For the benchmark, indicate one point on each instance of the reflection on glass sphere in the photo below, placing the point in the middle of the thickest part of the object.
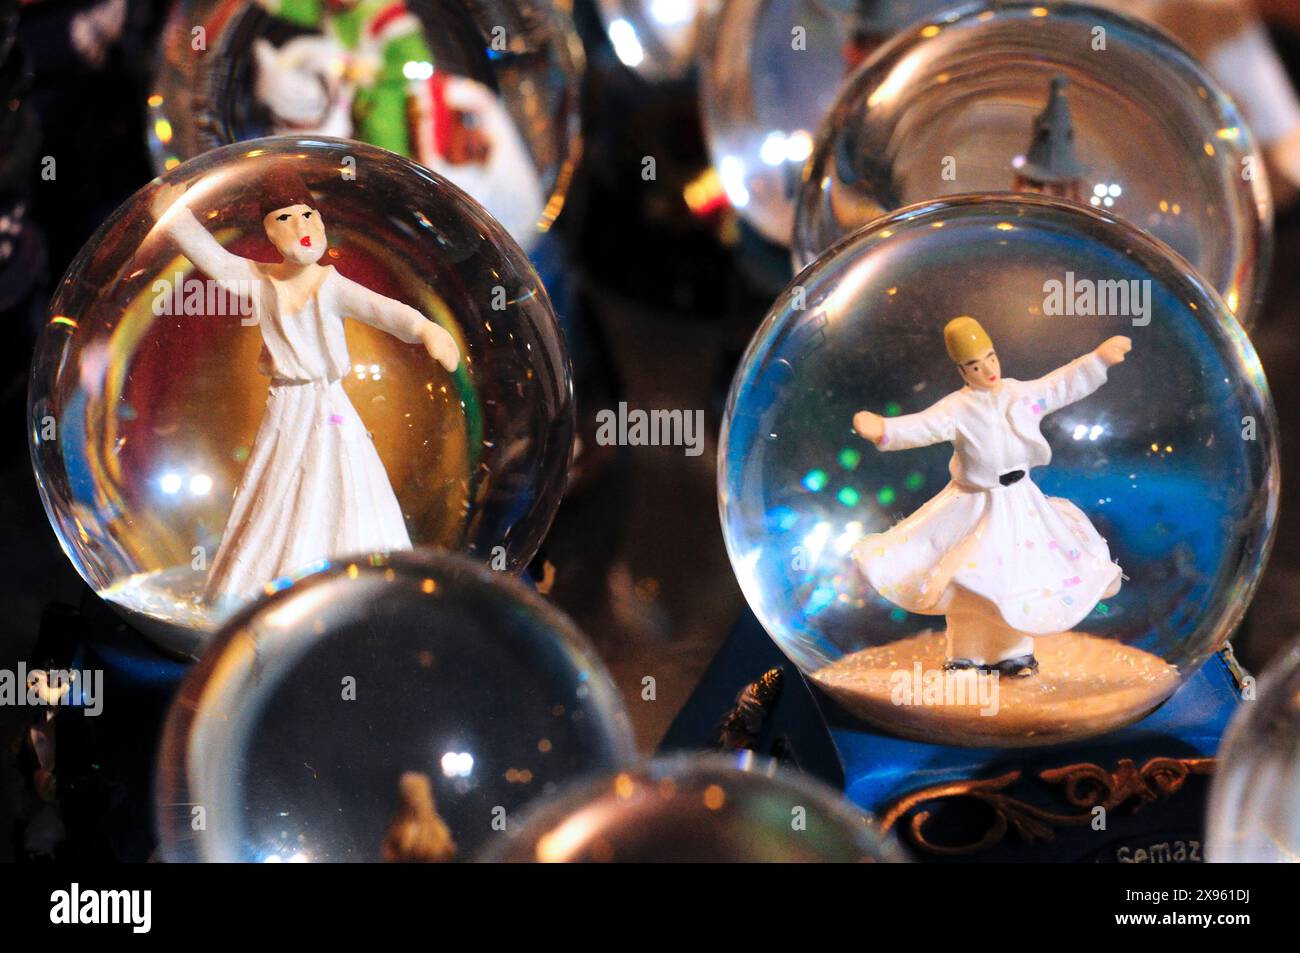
(485, 94)
(157, 391)
(1162, 468)
(1254, 814)
(1065, 100)
(769, 73)
(697, 808)
(656, 38)
(399, 708)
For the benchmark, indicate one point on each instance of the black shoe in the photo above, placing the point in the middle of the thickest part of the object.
(1022, 666)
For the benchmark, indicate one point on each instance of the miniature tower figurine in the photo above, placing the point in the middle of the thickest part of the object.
(1003, 562)
(1051, 165)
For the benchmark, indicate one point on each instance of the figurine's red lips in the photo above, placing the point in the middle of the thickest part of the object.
(305, 241)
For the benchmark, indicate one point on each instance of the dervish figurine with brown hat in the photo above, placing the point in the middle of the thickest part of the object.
(1003, 562)
(314, 486)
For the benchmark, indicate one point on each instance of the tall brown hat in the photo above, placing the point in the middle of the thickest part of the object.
(279, 188)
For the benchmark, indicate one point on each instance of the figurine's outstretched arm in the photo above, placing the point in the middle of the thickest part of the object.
(1080, 377)
(399, 320)
(197, 244)
(933, 425)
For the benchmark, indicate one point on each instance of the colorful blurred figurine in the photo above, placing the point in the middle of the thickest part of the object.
(376, 48)
(1000, 560)
(368, 72)
(314, 485)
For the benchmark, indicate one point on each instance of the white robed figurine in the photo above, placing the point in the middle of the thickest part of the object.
(999, 559)
(314, 485)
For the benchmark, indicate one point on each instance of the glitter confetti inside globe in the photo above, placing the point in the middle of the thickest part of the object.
(396, 709)
(697, 808)
(484, 93)
(199, 437)
(1040, 557)
(655, 38)
(769, 70)
(1254, 814)
(1061, 99)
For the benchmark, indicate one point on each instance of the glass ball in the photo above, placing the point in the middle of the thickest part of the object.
(1060, 99)
(769, 70)
(158, 391)
(697, 809)
(1107, 523)
(396, 708)
(655, 38)
(1254, 813)
(486, 94)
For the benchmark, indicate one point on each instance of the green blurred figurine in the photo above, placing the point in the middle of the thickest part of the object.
(366, 71)
(382, 73)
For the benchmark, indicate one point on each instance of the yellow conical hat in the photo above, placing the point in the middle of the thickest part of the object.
(965, 339)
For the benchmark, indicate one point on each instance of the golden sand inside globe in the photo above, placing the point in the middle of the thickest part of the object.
(1085, 686)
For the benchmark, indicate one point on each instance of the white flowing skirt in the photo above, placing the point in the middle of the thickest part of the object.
(1037, 559)
(314, 487)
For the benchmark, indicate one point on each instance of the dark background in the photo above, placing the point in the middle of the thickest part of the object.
(659, 302)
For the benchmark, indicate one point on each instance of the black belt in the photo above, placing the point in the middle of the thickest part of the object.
(1011, 476)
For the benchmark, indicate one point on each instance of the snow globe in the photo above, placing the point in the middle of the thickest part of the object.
(1060, 99)
(400, 709)
(697, 809)
(282, 351)
(769, 70)
(1254, 813)
(998, 471)
(485, 94)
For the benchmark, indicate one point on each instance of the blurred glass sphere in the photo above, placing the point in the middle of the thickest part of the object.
(655, 38)
(769, 70)
(399, 709)
(961, 105)
(483, 93)
(147, 388)
(1173, 460)
(1254, 813)
(697, 809)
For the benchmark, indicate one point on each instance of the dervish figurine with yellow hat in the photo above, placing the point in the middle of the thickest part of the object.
(1002, 561)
